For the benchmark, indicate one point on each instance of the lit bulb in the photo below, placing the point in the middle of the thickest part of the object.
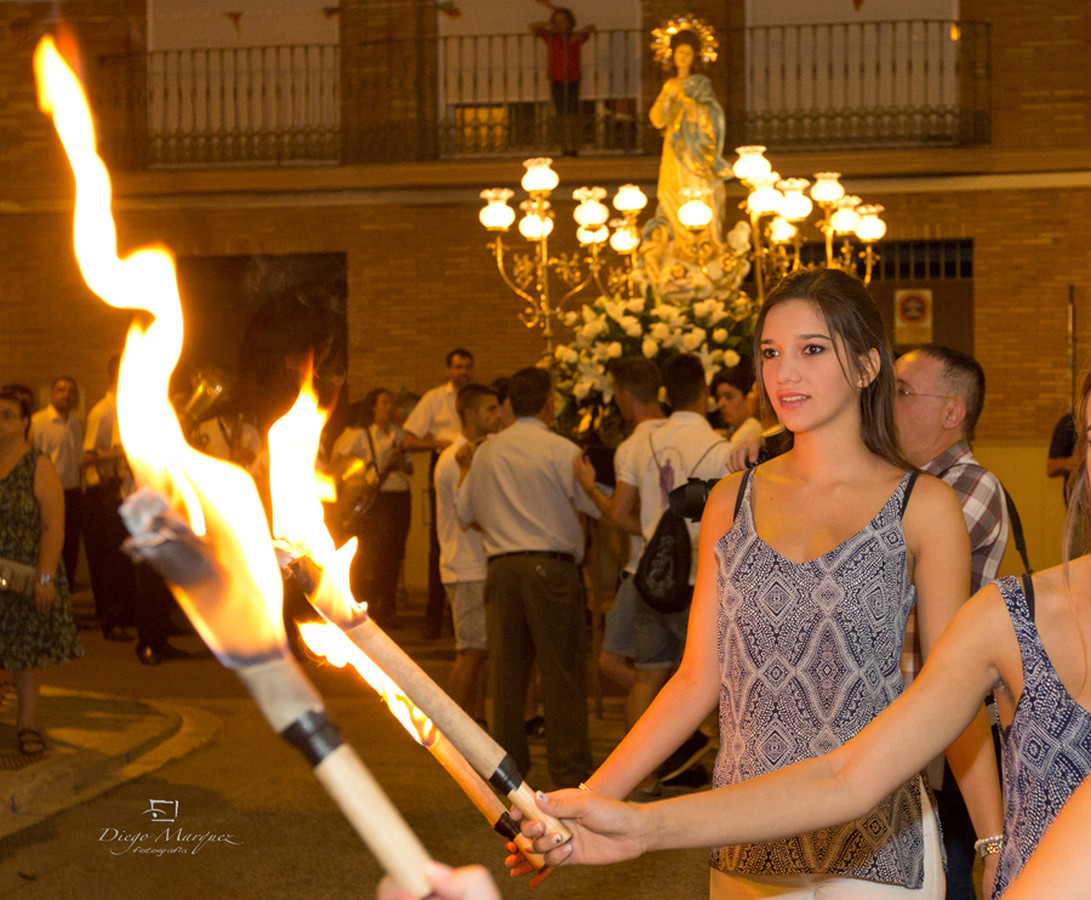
(630, 199)
(591, 212)
(846, 217)
(695, 215)
(781, 231)
(870, 228)
(796, 206)
(827, 188)
(496, 215)
(751, 163)
(539, 177)
(624, 240)
(535, 227)
(596, 234)
(764, 198)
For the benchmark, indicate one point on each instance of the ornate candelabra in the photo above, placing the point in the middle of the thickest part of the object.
(777, 244)
(532, 272)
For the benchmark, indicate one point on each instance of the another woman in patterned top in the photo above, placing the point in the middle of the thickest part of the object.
(808, 568)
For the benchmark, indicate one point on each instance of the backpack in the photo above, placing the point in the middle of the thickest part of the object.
(662, 575)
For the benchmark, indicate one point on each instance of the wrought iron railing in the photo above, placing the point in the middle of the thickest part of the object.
(277, 103)
(879, 84)
(867, 84)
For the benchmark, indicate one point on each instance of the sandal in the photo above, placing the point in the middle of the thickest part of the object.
(31, 742)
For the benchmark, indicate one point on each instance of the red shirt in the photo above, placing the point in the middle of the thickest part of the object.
(564, 53)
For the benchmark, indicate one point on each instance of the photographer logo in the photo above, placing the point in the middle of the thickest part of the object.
(162, 810)
(172, 840)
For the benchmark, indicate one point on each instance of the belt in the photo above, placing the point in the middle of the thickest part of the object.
(548, 554)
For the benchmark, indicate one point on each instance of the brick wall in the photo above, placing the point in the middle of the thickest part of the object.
(1041, 71)
(421, 280)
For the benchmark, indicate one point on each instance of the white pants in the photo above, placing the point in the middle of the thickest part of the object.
(725, 886)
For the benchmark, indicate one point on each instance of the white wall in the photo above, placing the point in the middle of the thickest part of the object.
(507, 17)
(801, 12)
(177, 24)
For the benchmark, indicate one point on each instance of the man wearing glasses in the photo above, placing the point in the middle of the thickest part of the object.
(938, 399)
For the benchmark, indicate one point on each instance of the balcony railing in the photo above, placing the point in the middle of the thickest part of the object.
(879, 84)
(912, 83)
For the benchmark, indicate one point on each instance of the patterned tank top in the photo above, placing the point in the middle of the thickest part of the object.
(809, 655)
(1047, 747)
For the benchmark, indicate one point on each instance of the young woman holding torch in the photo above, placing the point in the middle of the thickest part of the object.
(808, 567)
(1023, 639)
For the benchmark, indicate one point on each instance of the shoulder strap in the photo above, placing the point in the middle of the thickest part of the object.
(703, 455)
(1020, 541)
(1028, 592)
(382, 473)
(744, 486)
(908, 490)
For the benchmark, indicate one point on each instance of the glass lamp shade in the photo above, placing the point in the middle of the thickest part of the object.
(591, 213)
(534, 227)
(781, 231)
(827, 188)
(630, 199)
(625, 240)
(539, 177)
(496, 215)
(846, 217)
(751, 163)
(870, 228)
(592, 234)
(765, 198)
(796, 206)
(695, 215)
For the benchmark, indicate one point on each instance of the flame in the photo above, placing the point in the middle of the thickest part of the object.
(331, 642)
(219, 500)
(298, 518)
(298, 521)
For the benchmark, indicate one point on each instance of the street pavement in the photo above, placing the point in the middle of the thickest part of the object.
(165, 781)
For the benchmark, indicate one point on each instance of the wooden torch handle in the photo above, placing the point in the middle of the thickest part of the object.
(523, 799)
(375, 818)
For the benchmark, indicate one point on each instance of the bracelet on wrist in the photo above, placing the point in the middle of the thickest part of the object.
(989, 845)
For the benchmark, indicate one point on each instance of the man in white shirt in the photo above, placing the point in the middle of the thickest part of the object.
(55, 432)
(636, 392)
(113, 577)
(433, 425)
(683, 447)
(462, 555)
(521, 489)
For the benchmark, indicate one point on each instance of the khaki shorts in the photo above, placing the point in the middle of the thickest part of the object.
(467, 599)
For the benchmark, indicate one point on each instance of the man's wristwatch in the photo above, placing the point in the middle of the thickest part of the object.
(45, 580)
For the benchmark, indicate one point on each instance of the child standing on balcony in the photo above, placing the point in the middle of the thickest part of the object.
(564, 41)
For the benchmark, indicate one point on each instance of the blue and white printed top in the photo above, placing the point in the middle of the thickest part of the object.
(809, 655)
(1047, 747)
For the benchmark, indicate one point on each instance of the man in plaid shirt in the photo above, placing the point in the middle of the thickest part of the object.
(939, 396)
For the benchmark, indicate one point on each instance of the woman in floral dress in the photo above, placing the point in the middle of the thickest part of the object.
(36, 629)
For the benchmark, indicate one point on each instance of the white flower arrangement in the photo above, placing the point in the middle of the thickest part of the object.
(613, 327)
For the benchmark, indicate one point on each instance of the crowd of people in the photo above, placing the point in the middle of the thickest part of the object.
(841, 615)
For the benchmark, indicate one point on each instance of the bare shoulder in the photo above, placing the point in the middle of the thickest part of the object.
(1061, 585)
(929, 499)
(720, 509)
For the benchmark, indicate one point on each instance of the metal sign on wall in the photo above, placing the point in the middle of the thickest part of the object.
(913, 316)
